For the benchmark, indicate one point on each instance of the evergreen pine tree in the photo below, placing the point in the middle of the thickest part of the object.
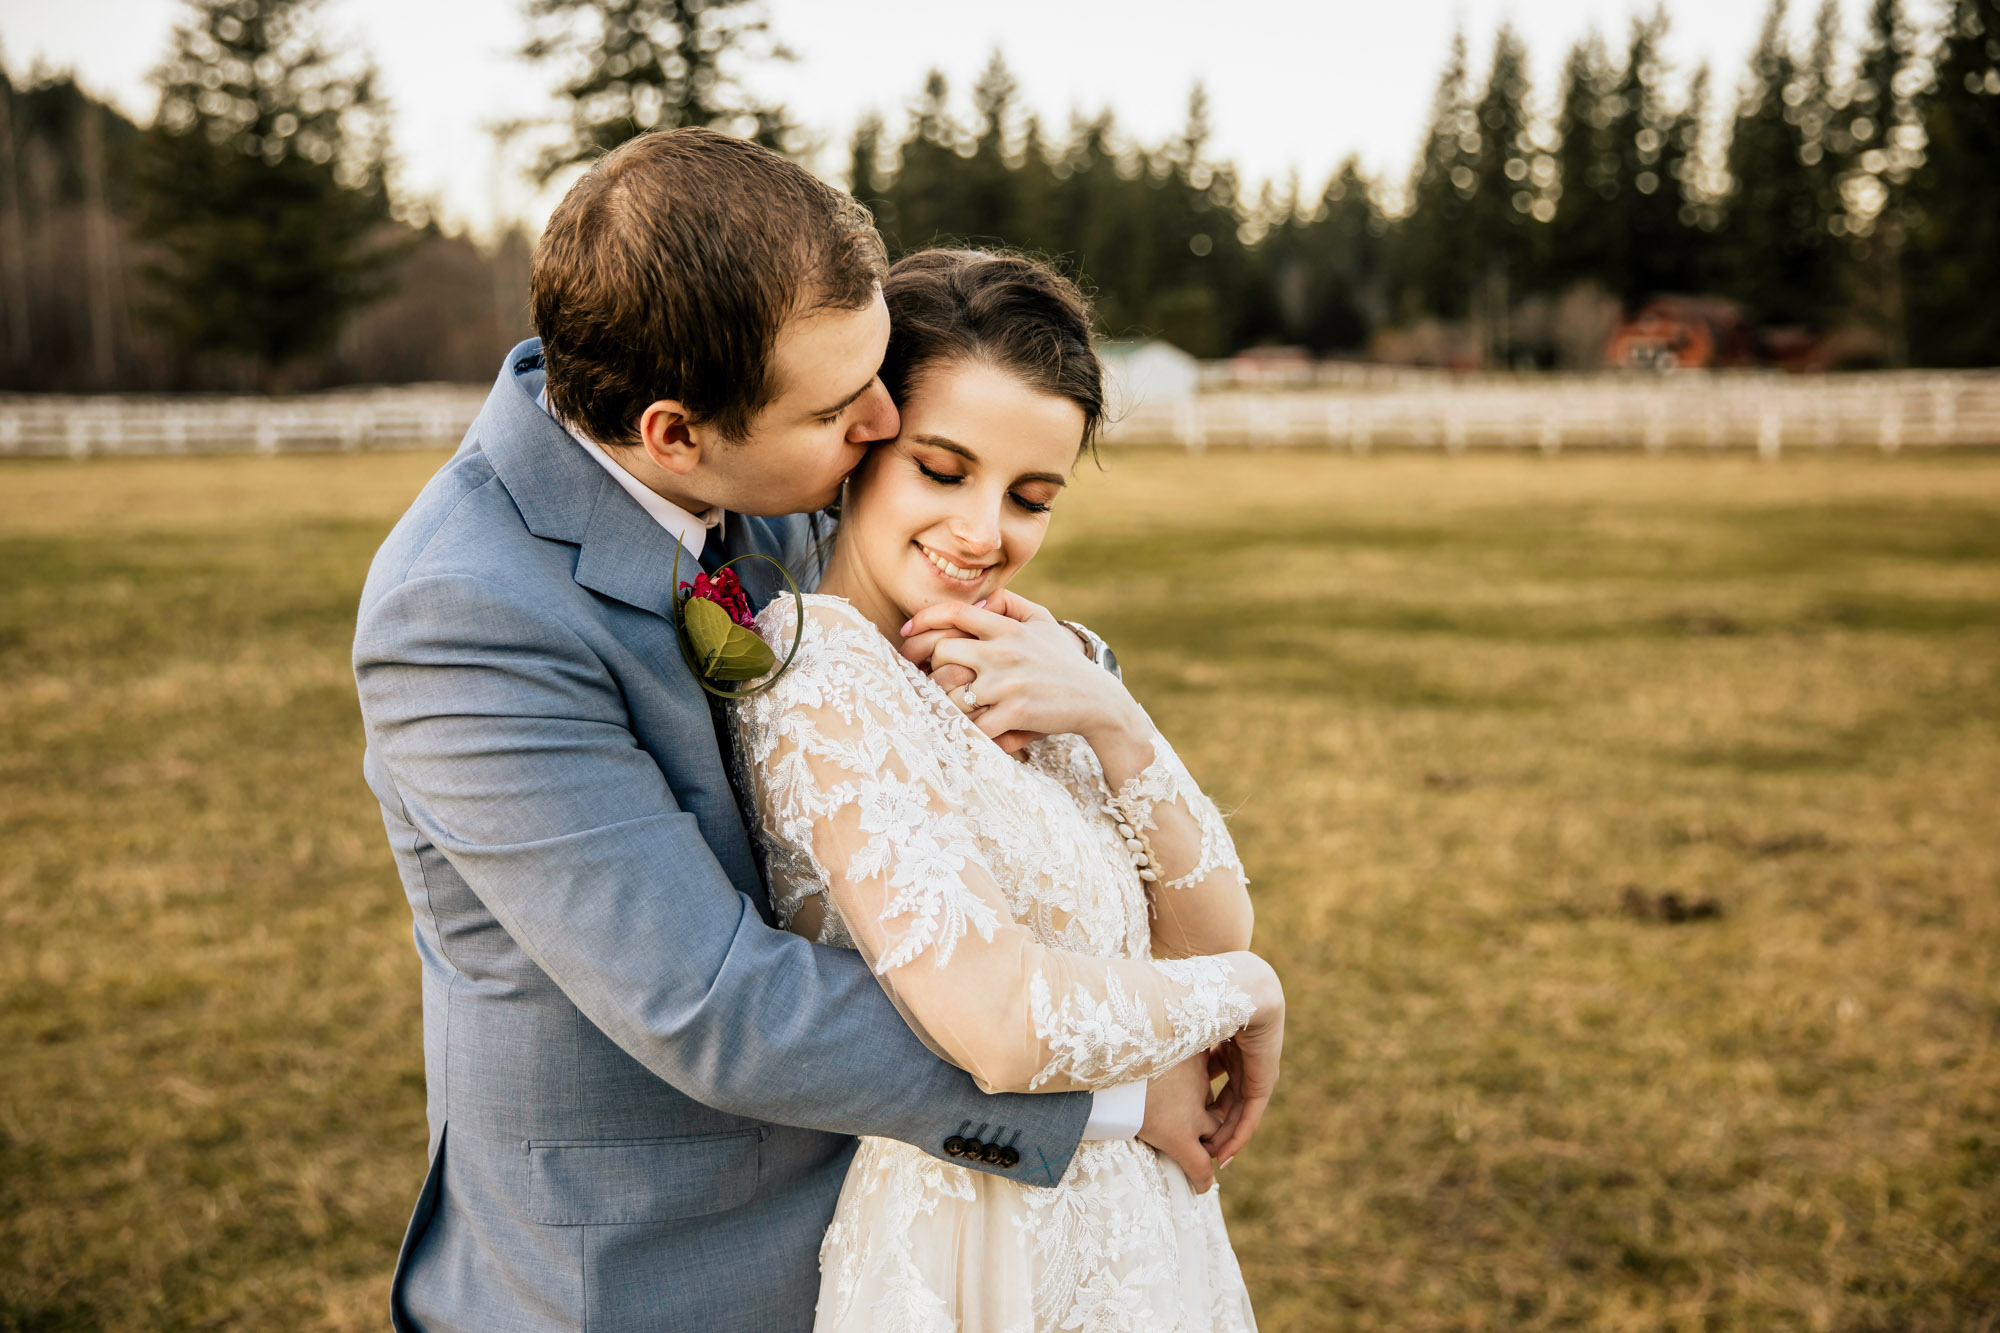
(1342, 243)
(1775, 240)
(638, 65)
(991, 197)
(1647, 249)
(1499, 226)
(1866, 138)
(1954, 202)
(925, 191)
(1433, 267)
(264, 179)
(866, 180)
(1822, 97)
(1685, 165)
(1586, 169)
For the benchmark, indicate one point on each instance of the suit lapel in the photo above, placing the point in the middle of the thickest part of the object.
(624, 554)
(565, 495)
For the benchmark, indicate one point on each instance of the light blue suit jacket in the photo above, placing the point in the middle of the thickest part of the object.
(642, 1095)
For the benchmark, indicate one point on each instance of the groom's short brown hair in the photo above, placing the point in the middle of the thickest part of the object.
(669, 268)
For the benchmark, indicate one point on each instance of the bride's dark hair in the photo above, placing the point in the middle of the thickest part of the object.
(951, 307)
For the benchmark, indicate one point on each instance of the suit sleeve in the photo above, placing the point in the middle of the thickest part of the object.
(510, 746)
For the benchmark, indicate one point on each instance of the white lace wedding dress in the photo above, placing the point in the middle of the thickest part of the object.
(998, 902)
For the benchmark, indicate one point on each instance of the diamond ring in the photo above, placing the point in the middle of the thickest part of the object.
(971, 699)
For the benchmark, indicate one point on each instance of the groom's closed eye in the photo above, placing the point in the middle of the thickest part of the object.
(827, 416)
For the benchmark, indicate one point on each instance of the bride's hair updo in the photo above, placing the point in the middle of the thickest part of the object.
(954, 307)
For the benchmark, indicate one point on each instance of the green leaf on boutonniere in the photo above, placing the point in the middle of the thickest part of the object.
(723, 649)
(715, 645)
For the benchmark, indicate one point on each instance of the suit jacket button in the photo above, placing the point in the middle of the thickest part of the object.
(954, 1146)
(993, 1153)
(1010, 1158)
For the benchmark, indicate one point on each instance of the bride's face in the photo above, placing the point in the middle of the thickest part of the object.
(959, 501)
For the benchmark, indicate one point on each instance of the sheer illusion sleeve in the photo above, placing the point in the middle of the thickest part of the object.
(1199, 892)
(857, 783)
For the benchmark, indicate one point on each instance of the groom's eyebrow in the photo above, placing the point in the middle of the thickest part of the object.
(954, 447)
(846, 402)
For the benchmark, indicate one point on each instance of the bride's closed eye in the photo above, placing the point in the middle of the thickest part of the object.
(954, 478)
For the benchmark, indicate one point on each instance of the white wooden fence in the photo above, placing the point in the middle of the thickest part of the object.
(423, 416)
(1768, 413)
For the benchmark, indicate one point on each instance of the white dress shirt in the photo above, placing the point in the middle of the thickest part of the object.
(1115, 1113)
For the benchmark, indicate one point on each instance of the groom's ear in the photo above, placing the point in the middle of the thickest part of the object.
(667, 437)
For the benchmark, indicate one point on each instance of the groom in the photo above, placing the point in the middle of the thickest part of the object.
(643, 1096)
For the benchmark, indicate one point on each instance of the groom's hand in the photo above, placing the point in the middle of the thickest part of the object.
(1178, 1118)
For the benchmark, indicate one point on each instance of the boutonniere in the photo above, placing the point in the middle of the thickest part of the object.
(718, 635)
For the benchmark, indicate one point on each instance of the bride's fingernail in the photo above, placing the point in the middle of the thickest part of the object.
(1226, 1161)
(981, 602)
(907, 624)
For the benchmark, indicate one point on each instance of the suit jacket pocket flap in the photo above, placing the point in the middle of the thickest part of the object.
(612, 1181)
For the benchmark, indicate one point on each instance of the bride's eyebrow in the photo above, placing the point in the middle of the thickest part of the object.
(949, 446)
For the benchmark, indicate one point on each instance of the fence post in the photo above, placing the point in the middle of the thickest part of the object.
(1947, 411)
(1187, 426)
(1889, 434)
(1770, 432)
(79, 434)
(1337, 428)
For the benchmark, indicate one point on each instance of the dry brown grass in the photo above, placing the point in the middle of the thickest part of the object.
(1460, 707)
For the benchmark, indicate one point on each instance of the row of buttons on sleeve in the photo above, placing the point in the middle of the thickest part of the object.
(971, 1149)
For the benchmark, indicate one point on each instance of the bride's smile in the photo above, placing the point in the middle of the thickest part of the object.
(959, 501)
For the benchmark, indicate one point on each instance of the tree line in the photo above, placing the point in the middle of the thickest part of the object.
(1847, 202)
(1845, 197)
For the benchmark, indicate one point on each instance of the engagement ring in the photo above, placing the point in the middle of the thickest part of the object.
(971, 699)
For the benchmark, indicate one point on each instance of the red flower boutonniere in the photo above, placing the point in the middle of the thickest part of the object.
(718, 635)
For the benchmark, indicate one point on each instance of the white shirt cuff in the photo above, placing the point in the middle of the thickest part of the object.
(1116, 1113)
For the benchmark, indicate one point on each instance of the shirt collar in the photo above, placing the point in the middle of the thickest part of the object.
(688, 528)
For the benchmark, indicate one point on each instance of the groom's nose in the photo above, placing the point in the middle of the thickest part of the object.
(875, 417)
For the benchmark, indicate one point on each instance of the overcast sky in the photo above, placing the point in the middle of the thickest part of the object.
(1293, 84)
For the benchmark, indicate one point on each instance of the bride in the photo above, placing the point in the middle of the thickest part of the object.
(1023, 860)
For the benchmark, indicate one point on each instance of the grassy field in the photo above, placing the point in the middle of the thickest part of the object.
(1625, 830)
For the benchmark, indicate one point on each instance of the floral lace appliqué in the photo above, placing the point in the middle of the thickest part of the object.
(1165, 780)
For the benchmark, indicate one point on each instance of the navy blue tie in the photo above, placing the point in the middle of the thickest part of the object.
(711, 553)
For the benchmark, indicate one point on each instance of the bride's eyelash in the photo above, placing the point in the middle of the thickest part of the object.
(953, 479)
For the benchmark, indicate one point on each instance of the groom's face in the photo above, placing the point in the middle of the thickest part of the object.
(828, 408)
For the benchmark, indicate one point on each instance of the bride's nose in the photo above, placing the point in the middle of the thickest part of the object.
(977, 530)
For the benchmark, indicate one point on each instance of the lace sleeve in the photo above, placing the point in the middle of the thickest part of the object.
(1198, 891)
(851, 770)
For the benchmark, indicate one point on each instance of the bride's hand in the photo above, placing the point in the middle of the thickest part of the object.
(1250, 1059)
(1029, 674)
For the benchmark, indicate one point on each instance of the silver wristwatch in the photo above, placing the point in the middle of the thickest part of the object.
(1095, 648)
